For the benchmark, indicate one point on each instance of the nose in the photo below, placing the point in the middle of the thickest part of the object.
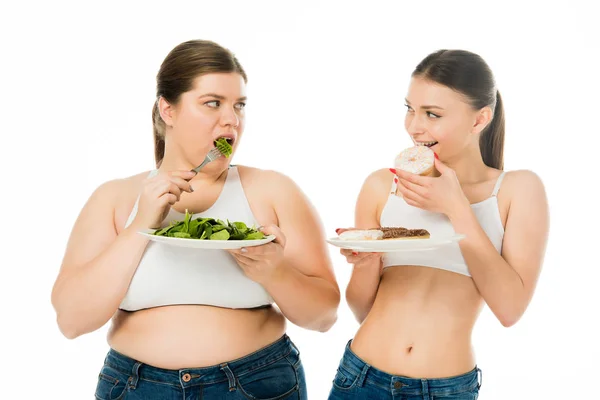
(229, 117)
(414, 125)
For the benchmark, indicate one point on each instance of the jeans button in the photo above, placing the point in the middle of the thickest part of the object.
(186, 377)
(397, 385)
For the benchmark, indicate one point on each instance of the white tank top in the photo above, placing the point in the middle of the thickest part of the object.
(399, 213)
(169, 275)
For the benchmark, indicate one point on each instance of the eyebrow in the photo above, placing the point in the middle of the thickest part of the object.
(219, 97)
(426, 107)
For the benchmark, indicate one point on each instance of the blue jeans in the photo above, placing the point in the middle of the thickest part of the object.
(355, 379)
(274, 372)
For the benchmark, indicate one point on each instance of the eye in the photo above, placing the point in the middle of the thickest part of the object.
(408, 108)
(213, 103)
(432, 115)
(240, 106)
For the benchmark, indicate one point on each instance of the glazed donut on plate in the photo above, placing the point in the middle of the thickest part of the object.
(417, 160)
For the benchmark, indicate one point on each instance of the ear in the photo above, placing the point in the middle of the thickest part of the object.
(482, 119)
(166, 111)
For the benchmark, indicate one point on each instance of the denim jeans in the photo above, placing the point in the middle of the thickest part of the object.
(274, 372)
(355, 379)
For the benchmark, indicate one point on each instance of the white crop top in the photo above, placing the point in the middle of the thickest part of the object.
(169, 275)
(399, 213)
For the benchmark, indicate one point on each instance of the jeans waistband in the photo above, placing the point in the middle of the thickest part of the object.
(409, 386)
(204, 375)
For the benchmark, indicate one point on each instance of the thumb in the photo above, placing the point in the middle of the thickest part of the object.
(441, 167)
(275, 231)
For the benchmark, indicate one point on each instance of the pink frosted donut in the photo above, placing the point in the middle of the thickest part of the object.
(417, 160)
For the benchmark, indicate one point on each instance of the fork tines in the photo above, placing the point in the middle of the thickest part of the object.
(214, 154)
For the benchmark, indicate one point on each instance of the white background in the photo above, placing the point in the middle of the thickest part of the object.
(326, 89)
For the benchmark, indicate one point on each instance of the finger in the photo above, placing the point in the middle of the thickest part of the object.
(420, 190)
(346, 252)
(170, 187)
(168, 198)
(182, 184)
(350, 252)
(253, 253)
(244, 263)
(157, 189)
(369, 258)
(275, 231)
(260, 251)
(409, 194)
(441, 167)
(414, 178)
(413, 203)
(357, 257)
(186, 175)
(342, 230)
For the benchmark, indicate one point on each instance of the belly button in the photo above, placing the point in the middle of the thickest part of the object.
(409, 349)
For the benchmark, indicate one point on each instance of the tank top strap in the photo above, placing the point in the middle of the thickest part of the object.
(498, 183)
(133, 213)
(233, 194)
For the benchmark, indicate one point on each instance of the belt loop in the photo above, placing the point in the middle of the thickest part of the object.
(230, 377)
(363, 375)
(479, 378)
(425, 387)
(293, 345)
(135, 375)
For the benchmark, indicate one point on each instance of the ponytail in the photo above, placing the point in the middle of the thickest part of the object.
(491, 141)
(158, 128)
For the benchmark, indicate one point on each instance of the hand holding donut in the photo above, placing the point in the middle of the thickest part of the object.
(441, 194)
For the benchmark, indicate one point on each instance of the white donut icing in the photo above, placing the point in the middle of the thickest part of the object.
(365, 234)
(416, 159)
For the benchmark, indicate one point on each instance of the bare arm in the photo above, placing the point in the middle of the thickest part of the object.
(295, 269)
(305, 290)
(507, 281)
(99, 264)
(97, 267)
(366, 273)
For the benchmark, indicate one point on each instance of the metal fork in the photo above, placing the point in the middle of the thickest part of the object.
(211, 156)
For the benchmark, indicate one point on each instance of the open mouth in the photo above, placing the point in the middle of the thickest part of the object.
(230, 140)
(427, 144)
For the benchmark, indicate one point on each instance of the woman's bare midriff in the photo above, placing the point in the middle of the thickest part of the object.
(420, 324)
(189, 336)
(192, 336)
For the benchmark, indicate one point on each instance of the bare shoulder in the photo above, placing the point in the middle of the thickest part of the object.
(119, 188)
(379, 181)
(118, 194)
(269, 181)
(522, 182)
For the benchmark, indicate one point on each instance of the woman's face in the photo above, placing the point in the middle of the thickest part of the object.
(441, 118)
(212, 109)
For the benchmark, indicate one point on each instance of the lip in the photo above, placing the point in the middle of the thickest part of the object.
(231, 136)
(422, 143)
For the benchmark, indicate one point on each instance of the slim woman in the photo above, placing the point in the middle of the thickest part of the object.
(418, 309)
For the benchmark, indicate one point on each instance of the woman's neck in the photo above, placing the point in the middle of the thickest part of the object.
(469, 167)
(207, 175)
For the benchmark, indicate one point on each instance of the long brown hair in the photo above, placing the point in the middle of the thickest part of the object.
(468, 73)
(176, 75)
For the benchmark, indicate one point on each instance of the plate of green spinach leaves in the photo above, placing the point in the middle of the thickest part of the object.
(208, 233)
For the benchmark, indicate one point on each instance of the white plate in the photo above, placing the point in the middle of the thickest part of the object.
(386, 246)
(206, 244)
